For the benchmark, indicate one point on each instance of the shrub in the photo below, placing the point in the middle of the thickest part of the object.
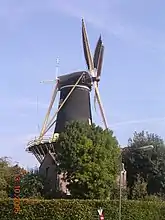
(81, 210)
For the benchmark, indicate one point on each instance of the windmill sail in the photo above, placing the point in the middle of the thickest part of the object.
(100, 61)
(98, 56)
(97, 52)
(87, 53)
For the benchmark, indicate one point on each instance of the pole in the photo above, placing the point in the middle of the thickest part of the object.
(148, 147)
(120, 195)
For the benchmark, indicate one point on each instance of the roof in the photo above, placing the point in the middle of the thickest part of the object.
(71, 79)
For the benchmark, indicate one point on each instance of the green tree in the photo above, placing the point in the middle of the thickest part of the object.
(7, 175)
(4, 172)
(150, 165)
(88, 156)
(139, 190)
(32, 185)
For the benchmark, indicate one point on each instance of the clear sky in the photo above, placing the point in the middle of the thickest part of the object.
(33, 33)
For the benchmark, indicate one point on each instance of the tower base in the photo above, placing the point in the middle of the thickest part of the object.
(44, 151)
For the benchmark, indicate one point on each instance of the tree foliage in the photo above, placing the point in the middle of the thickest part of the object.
(87, 155)
(31, 184)
(150, 165)
(139, 190)
(7, 175)
(4, 173)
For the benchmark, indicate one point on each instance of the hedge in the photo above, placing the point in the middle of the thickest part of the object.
(31, 209)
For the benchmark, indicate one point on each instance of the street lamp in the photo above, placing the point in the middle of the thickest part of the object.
(122, 172)
(148, 147)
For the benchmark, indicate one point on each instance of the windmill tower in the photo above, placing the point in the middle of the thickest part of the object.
(74, 104)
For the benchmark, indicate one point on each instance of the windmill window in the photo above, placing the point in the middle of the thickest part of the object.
(47, 169)
(83, 79)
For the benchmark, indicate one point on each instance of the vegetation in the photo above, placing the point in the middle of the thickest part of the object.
(139, 191)
(148, 165)
(7, 174)
(88, 157)
(31, 183)
(82, 210)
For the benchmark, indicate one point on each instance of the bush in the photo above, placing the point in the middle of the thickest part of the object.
(81, 210)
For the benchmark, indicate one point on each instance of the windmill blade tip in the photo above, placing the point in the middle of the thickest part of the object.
(83, 24)
(100, 39)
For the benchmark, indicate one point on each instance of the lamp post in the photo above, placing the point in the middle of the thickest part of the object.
(122, 172)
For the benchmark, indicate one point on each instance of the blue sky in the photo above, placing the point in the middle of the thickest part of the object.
(35, 32)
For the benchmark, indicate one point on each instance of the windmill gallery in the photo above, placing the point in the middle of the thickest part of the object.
(74, 105)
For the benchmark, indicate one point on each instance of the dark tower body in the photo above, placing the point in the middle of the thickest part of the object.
(77, 106)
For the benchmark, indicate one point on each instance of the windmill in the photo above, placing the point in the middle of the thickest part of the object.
(75, 103)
